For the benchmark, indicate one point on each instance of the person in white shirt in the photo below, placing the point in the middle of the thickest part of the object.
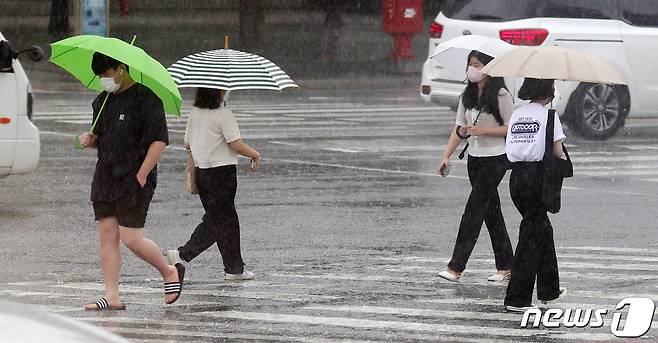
(214, 139)
(535, 252)
(483, 114)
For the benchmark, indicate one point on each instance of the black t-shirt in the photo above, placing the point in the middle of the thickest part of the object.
(129, 123)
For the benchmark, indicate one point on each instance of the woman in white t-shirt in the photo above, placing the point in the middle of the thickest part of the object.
(214, 139)
(535, 252)
(484, 110)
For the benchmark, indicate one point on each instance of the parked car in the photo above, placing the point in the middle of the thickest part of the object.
(19, 138)
(26, 324)
(620, 31)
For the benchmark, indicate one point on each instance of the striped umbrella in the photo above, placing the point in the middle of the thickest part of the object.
(229, 69)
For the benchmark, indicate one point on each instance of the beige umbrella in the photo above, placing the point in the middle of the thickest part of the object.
(554, 62)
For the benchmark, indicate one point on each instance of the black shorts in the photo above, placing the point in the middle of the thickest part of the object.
(130, 209)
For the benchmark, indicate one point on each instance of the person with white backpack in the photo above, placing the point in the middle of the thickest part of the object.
(535, 256)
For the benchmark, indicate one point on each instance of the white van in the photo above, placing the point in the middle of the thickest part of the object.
(19, 138)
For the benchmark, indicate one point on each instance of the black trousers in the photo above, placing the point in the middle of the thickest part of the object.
(535, 252)
(485, 174)
(220, 225)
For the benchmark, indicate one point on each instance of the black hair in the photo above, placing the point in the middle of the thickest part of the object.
(536, 89)
(488, 101)
(101, 63)
(208, 98)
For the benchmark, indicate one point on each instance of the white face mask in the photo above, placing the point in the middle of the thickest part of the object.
(474, 74)
(108, 84)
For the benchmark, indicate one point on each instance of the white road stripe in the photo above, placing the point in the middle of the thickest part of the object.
(616, 158)
(356, 277)
(370, 324)
(359, 109)
(128, 289)
(617, 172)
(195, 333)
(610, 249)
(633, 258)
(499, 303)
(430, 313)
(414, 312)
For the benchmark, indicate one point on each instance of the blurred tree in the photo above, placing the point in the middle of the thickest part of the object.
(59, 18)
(252, 20)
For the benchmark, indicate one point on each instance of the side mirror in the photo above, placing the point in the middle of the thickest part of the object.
(35, 53)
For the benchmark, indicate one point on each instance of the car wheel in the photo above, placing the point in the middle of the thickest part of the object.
(598, 110)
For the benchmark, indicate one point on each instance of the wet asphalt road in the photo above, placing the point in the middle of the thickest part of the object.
(346, 228)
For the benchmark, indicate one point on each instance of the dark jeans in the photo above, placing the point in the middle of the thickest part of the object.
(217, 187)
(535, 252)
(485, 174)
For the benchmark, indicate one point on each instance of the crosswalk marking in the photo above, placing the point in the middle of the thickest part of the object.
(195, 333)
(426, 308)
(368, 323)
(633, 158)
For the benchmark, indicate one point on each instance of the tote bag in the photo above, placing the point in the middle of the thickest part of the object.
(190, 172)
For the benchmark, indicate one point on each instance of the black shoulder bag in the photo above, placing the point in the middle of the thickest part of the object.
(556, 169)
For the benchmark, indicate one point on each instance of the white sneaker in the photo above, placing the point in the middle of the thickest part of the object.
(173, 257)
(246, 275)
(449, 276)
(498, 277)
(563, 292)
(504, 281)
(519, 309)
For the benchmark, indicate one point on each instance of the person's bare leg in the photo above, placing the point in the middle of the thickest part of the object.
(148, 251)
(110, 254)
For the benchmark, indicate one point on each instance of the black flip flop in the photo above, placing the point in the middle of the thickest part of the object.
(176, 287)
(103, 305)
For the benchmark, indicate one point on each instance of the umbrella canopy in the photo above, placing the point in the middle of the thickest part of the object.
(554, 62)
(230, 70)
(490, 46)
(74, 54)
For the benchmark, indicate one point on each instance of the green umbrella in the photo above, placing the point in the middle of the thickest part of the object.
(74, 54)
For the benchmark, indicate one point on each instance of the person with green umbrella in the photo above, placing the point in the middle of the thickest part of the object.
(130, 136)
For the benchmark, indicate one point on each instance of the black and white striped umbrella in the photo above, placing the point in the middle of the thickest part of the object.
(229, 70)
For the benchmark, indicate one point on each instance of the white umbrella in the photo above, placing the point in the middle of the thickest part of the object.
(554, 62)
(229, 70)
(490, 46)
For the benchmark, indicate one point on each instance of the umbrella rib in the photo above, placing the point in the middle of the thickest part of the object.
(64, 53)
(527, 60)
(92, 80)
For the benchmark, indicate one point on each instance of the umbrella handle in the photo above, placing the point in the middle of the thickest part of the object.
(76, 142)
(76, 138)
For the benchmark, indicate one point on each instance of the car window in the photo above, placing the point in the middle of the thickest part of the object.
(5, 57)
(640, 12)
(491, 10)
(579, 9)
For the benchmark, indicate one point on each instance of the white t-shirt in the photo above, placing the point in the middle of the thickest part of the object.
(483, 146)
(526, 133)
(209, 133)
